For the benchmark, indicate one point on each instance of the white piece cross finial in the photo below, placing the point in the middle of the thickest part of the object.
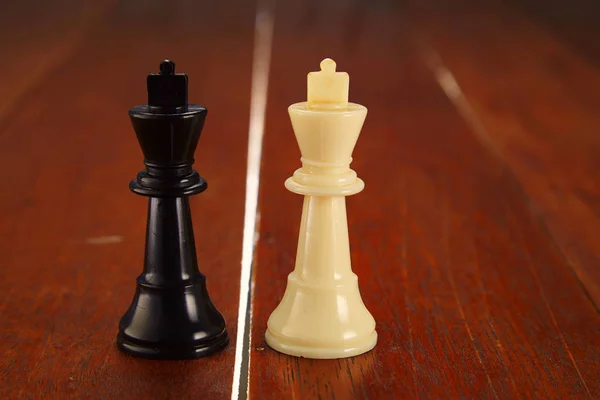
(328, 65)
(327, 88)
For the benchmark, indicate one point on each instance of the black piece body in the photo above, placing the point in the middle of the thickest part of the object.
(171, 315)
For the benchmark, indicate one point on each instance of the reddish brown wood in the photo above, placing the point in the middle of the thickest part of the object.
(535, 99)
(473, 296)
(465, 251)
(575, 22)
(67, 155)
(35, 38)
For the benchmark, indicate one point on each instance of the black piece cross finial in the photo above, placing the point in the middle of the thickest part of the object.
(167, 67)
(166, 88)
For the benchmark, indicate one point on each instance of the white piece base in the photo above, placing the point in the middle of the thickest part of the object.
(355, 348)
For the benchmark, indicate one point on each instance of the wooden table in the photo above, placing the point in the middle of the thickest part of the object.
(476, 240)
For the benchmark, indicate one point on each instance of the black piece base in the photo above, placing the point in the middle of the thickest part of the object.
(156, 351)
(174, 321)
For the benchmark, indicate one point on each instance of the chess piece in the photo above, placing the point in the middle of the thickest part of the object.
(171, 315)
(322, 314)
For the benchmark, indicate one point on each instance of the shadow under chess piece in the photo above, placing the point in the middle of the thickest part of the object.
(322, 314)
(171, 315)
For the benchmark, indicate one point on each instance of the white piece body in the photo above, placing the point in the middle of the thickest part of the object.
(322, 314)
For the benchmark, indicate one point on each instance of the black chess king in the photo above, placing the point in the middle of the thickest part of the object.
(171, 315)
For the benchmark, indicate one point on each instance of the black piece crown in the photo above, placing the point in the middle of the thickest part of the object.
(168, 130)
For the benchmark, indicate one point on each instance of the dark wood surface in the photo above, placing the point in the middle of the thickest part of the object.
(473, 296)
(532, 101)
(73, 234)
(475, 240)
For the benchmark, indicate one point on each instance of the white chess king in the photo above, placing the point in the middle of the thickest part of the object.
(322, 314)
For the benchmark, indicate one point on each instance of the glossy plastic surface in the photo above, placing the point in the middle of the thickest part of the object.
(322, 314)
(171, 315)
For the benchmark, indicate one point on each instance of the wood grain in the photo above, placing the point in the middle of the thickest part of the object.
(35, 38)
(575, 23)
(474, 240)
(473, 296)
(534, 100)
(73, 233)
